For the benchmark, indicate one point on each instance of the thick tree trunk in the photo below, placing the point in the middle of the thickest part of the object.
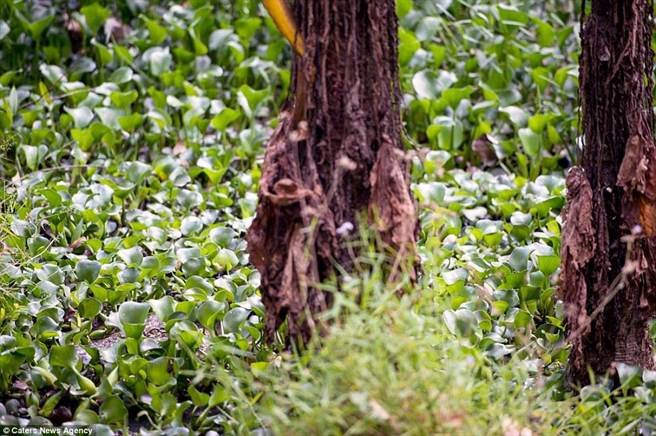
(336, 155)
(609, 251)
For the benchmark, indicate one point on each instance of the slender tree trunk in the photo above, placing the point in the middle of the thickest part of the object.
(609, 251)
(336, 155)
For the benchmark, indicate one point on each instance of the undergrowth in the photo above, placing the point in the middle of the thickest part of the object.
(391, 366)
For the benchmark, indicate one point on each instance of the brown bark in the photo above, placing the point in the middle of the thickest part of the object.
(336, 155)
(609, 251)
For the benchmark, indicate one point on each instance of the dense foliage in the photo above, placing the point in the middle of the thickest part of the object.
(131, 134)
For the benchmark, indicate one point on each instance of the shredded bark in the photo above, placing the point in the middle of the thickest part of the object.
(577, 250)
(608, 267)
(336, 155)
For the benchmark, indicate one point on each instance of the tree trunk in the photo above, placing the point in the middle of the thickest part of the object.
(335, 156)
(609, 251)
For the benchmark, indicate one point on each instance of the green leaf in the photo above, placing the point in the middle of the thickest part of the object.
(403, 7)
(109, 117)
(199, 47)
(130, 123)
(512, 16)
(522, 319)
(408, 46)
(33, 155)
(187, 333)
(82, 116)
(200, 399)
(50, 404)
(226, 259)
(546, 35)
(191, 225)
(461, 321)
(531, 141)
(156, 32)
(123, 54)
(541, 76)
(250, 98)
(629, 375)
(4, 29)
(63, 356)
(208, 312)
(121, 75)
(453, 96)
(454, 276)
(220, 38)
(160, 60)
(517, 115)
(87, 270)
(95, 16)
(35, 28)
(131, 256)
(124, 99)
(158, 371)
(163, 307)
(447, 132)
(219, 395)
(132, 316)
(428, 28)
(548, 264)
(519, 258)
(89, 308)
(234, 318)
(133, 313)
(226, 117)
(86, 384)
(259, 368)
(53, 74)
(552, 203)
(539, 122)
(222, 236)
(247, 26)
(84, 138)
(429, 84)
(191, 259)
(105, 56)
(82, 65)
(113, 411)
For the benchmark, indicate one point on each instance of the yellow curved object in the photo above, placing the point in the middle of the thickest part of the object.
(284, 21)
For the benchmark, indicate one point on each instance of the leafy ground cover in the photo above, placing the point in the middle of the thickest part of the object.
(132, 134)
